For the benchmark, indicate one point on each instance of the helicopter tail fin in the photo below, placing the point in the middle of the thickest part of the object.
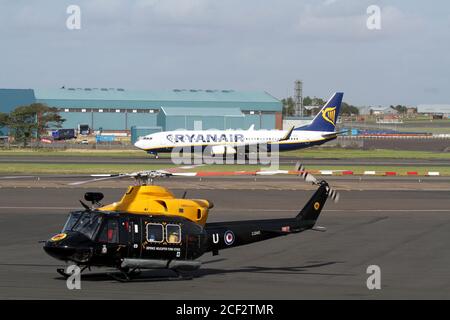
(308, 215)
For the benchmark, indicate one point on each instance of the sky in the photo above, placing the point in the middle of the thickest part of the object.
(232, 44)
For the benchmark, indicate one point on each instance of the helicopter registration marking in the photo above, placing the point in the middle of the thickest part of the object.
(163, 248)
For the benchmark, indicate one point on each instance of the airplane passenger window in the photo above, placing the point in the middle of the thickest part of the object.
(155, 232)
(173, 233)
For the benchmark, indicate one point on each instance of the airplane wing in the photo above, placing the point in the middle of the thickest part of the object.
(288, 134)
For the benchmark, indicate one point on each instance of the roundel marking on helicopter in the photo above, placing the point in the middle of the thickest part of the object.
(59, 237)
(316, 206)
(228, 237)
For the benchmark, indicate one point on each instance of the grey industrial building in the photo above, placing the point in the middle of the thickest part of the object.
(435, 109)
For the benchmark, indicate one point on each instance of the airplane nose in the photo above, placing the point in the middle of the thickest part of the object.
(139, 144)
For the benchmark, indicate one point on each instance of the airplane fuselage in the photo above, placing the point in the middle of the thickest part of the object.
(320, 130)
(167, 141)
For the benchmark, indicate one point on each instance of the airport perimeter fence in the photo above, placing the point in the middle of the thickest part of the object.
(64, 146)
(435, 143)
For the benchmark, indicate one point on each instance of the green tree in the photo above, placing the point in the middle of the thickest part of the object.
(3, 122)
(347, 109)
(400, 108)
(3, 119)
(307, 101)
(32, 120)
(318, 102)
(288, 106)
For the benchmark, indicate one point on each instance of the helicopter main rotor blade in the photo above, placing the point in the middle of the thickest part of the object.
(17, 177)
(110, 177)
(308, 177)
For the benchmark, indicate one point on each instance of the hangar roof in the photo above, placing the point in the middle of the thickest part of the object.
(120, 98)
(167, 95)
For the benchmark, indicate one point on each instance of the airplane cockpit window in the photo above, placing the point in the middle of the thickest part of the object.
(110, 232)
(155, 232)
(84, 222)
(173, 233)
(148, 138)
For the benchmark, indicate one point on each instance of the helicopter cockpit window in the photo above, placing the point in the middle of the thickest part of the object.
(85, 222)
(110, 232)
(73, 218)
(173, 233)
(155, 232)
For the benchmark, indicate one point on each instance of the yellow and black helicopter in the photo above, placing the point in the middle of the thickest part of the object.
(149, 228)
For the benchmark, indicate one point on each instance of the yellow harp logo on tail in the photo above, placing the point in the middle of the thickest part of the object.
(328, 114)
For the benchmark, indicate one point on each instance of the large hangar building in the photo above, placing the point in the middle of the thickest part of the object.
(120, 109)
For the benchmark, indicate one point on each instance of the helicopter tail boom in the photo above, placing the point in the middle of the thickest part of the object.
(224, 235)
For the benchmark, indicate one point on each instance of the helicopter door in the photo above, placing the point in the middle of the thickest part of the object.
(135, 237)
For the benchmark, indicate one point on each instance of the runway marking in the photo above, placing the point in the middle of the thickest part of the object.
(251, 209)
(42, 208)
(340, 210)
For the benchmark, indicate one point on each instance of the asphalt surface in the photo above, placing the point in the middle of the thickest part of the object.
(167, 161)
(275, 182)
(405, 233)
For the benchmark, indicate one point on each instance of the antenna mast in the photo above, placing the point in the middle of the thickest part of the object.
(299, 98)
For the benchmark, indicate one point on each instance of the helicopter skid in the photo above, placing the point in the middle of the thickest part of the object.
(176, 265)
(62, 272)
(129, 276)
(66, 275)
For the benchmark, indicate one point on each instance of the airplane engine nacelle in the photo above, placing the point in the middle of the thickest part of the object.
(222, 150)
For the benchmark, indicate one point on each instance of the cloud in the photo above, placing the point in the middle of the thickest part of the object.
(252, 44)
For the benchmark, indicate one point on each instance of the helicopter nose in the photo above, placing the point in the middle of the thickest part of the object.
(58, 251)
(68, 247)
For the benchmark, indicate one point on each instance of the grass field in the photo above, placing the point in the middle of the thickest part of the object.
(73, 153)
(312, 153)
(44, 168)
(435, 130)
(341, 153)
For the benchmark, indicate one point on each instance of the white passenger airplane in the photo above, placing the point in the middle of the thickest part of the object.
(223, 142)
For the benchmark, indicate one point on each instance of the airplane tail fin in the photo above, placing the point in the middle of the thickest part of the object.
(326, 119)
(311, 211)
